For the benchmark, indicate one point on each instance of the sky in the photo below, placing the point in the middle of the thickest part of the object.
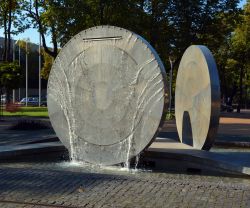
(33, 35)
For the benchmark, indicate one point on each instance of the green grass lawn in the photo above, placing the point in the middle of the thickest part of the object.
(29, 111)
(43, 112)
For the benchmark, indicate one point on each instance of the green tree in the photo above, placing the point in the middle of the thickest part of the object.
(42, 16)
(240, 54)
(47, 64)
(170, 26)
(65, 18)
(199, 22)
(10, 15)
(10, 74)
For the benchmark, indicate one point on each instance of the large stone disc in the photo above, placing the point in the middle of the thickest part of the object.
(106, 95)
(197, 98)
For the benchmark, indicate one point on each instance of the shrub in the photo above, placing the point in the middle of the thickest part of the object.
(12, 108)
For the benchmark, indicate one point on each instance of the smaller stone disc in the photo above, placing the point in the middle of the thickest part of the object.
(197, 98)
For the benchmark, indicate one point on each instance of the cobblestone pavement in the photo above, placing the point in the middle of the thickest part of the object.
(63, 185)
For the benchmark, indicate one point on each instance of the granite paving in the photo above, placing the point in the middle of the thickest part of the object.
(69, 185)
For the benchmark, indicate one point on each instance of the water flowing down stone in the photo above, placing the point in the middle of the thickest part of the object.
(106, 95)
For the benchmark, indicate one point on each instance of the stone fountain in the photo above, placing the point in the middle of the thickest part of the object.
(107, 96)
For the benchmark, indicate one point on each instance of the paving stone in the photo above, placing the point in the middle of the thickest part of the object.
(44, 184)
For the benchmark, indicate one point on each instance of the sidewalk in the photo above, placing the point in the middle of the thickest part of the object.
(234, 129)
(67, 186)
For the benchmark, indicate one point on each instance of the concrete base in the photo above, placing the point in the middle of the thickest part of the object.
(166, 154)
(163, 155)
(38, 151)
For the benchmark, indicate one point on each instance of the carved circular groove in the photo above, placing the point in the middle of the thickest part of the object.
(197, 98)
(106, 95)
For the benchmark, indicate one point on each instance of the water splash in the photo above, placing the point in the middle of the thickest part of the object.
(91, 168)
(137, 159)
(129, 149)
(67, 102)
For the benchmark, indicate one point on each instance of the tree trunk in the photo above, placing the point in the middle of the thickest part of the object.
(241, 90)
(101, 10)
(246, 89)
(46, 49)
(5, 36)
(141, 30)
(36, 17)
(8, 93)
(54, 41)
(9, 30)
(153, 30)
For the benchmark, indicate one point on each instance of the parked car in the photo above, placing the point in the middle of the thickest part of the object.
(34, 101)
(31, 101)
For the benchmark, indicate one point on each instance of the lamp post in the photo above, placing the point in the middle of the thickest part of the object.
(26, 93)
(14, 48)
(40, 63)
(170, 84)
(19, 61)
(13, 57)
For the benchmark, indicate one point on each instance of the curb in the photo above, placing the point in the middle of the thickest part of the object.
(232, 144)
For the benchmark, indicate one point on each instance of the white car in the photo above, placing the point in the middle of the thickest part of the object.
(31, 101)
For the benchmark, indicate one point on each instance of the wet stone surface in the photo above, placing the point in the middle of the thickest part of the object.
(48, 185)
(197, 98)
(106, 95)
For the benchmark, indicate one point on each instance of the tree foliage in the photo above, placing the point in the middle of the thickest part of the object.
(40, 14)
(170, 26)
(47, 64)
(238, 62)
(11, 15)
(10, 75)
